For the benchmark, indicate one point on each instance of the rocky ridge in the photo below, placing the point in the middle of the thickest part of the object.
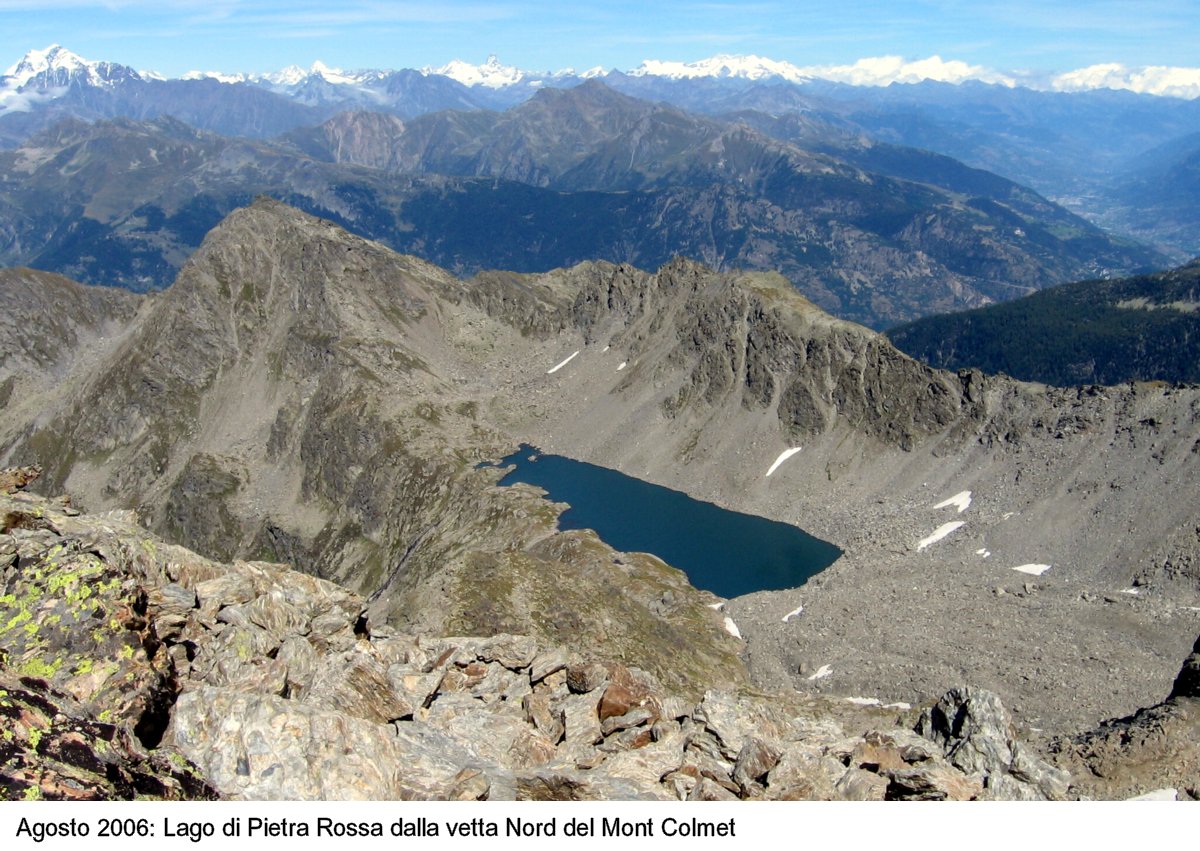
(133, 666)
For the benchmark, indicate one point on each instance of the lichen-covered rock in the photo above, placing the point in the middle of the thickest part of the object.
(53, 748)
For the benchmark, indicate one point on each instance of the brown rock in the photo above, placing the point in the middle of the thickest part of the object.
(586, 677)
(616, 700)
(708, 790)
(14, 479)
(934, 780)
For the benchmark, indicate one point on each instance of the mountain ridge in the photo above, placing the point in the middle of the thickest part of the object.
(345, 440)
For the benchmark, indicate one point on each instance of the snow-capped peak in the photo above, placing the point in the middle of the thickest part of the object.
(57, 66)
(332, 75)
(290, 76)
(743, 67)
(491, 74)
(52, 58)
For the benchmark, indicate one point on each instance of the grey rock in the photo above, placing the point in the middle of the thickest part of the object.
(859, 785)
(514, 652)
(582, 724)
(170, 606)
(357, 684)
(538, 712)
(719, 713)
(546, 663)
(974, 731)
(754, 762)
(256, 747)
(632, 718)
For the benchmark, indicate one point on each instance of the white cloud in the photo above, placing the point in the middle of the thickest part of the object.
(885, 70)
(1152, 80)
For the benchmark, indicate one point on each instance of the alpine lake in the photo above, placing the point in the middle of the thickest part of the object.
(726, 552)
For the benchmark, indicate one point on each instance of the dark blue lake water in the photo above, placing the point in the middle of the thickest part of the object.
(726, 552)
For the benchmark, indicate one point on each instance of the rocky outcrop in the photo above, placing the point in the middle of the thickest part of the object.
(132, 667)
(977, 737)
(1155, 748)
(1187, 684)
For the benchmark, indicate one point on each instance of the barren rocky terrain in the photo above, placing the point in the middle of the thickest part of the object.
(304, 396)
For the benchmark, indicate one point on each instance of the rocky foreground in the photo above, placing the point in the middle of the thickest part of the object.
(130, 667)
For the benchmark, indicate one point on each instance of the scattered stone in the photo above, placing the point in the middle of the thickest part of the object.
(586, 677)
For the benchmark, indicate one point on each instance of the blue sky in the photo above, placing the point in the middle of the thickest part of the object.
(174, 36)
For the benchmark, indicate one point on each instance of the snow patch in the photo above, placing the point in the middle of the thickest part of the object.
(731, 628)
(559, 366)
(605, 349)
(716, 607)
(1131, 591)
(624, 364)
(1032, 569)
(1157, 795)
(961, 501)
(822, 673)
(939, 533)
(863, 701)
(783, 456)
(899, 704)
(984, 553)
(793, 613)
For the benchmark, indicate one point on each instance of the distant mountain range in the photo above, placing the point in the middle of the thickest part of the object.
(1092, 332)
(878, 234)
(1079, 138)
